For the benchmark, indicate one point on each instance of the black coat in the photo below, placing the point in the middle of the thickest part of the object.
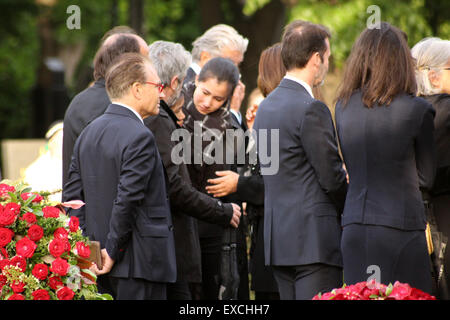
(304, 195)
(117, 171)
(389, 155)
(84, 108)
(186, 202)
(441, 104)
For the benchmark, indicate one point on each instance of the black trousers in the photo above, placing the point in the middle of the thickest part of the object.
(178, 291)
(305, 281)
(396, 255)
(137, 289)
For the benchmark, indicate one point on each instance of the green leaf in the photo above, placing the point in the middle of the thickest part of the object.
(389, 289)
(31, 198)
(26, 190)
(89, 272)
(13, 196)
(373, 296)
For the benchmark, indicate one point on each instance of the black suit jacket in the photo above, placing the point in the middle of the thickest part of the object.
(250, 186)
(84, 108)
(186, 202)
(304, 197)
(117, 171)
(389, 155)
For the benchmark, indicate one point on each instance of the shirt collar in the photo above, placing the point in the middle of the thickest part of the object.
(303, 83)
(196, 68)
(237, 114)
(129, 108)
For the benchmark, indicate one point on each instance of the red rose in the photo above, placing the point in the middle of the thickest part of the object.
(19, 262)
(51, 212)
(41, 294)
(4, 263)
(55, 283)
(65, 293)
(4, 189)
(40, 271)
(74, 223)
(25, 247)
(3, 281)
(35, 233)
(5, 236)
(61, 233)
(29, 217)
(3, 253)
(17, 286)
(83, 250)
(60, 266)
(7, 217)
(400, 291)
(16, 296)
(26, 195)
(67, 246)
(57, 247)
(13, 207)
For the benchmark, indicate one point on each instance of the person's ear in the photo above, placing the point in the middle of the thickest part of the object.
(136, 90)
(204, 58)
(174, 83)
(434, 78)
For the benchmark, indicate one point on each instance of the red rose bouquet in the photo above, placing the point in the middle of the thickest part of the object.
(43, 254)
(372, 290)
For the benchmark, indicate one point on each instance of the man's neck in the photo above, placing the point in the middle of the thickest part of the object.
(127, 104)
(302, 74)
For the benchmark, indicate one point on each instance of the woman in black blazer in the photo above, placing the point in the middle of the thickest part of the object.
(386, 138)
(432, 57)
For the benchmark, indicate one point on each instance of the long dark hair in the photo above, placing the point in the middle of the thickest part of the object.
(380, 65)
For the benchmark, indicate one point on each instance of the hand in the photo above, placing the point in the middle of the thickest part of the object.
(238, 96)
(250, 115)
(346, 173)
(223, 186)
(236, 215)
(107, 263)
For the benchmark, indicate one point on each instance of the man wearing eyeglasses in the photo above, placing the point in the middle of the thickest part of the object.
(117, 171)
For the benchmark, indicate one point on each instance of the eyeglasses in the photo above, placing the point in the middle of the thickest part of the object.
(159, 85)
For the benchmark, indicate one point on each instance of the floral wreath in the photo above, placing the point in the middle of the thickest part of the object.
(43, 254)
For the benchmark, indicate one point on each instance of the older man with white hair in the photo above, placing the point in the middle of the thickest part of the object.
(171, 61)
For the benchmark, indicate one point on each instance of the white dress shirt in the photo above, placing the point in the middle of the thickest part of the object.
(303, 83)
(129, 108)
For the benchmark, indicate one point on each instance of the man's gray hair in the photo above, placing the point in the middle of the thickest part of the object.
(430, 54)
(169, 59)
(217, 38)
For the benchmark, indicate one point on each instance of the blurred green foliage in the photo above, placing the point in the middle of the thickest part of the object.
(174, 20)
(348, 18)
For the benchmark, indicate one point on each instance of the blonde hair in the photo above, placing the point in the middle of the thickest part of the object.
(429, 54)
(217, 38)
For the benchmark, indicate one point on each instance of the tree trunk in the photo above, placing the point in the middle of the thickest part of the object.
(135, 15)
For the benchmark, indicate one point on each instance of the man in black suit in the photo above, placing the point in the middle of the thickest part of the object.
(117, 171)
(171, 61)
(93, 101)
(305, 187)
